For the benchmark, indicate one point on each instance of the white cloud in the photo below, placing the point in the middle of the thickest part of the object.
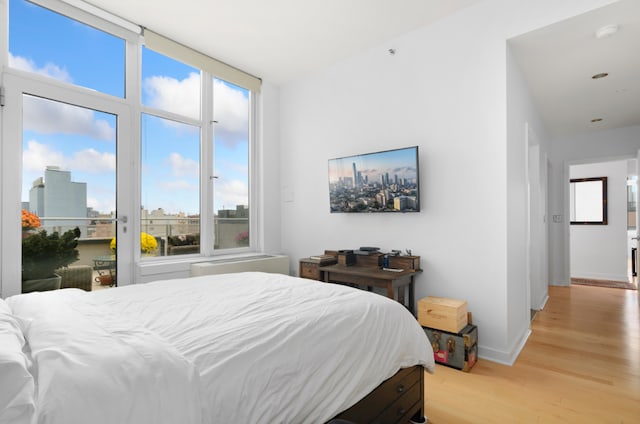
(231, 110)
(173, 95)
(93, 202)
(178, 185)
(238, 168)
(232, 193)
(181, 166)
(36, 157)
(50, 117)
(92, 161)
(102, 204)
(231, 107)
(50, 69)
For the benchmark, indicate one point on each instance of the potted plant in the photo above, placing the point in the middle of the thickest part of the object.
(42, 254)
(148, 243)
(30, 223)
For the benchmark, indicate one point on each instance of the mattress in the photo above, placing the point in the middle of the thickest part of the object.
(244, 347)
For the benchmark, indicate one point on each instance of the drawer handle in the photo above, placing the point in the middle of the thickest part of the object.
(401, 388)
(402, 411)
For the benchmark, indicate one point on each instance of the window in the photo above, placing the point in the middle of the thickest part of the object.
(173, 89)
(170, 209)
(164, 136)
(64, 49)
(171, 133)
(170, 85)
(632, 201)
(231, 165)
(68, 165)
(588, 201)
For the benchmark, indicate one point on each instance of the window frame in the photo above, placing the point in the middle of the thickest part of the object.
(207, 123)
(586, 201)
(132, 102)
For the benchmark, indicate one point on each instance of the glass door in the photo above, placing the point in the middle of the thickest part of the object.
(68, 196)
(62, 190)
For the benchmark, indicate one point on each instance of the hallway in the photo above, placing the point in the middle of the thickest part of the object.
(581, 364)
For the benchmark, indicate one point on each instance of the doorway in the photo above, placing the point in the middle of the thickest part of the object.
(601, 252)
(61, 170)
(68, 185)
(537, 234)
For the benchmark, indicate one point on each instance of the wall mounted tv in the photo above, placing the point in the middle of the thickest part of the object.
(386, 181)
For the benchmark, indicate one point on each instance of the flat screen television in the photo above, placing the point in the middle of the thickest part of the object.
(386, 181)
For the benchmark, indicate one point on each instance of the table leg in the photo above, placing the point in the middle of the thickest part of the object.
(390, 291)
(412, 296)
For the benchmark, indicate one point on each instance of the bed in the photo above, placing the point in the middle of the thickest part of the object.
(231, 348)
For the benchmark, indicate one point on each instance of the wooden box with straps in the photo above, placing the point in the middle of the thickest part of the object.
(456, 350)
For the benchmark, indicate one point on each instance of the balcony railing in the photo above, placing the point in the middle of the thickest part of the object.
(97, 232)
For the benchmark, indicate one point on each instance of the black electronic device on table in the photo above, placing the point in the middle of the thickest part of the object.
(369, 249)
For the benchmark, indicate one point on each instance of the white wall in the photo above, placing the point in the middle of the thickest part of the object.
(600, 251)
(444, 90)
(269, 175)
(619, 143)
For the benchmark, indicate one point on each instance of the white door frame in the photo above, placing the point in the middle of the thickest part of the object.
(17, 83)
(537, 226)
(637, 211)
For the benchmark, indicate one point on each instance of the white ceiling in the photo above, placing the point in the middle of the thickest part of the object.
(281, 40)
(558, 62)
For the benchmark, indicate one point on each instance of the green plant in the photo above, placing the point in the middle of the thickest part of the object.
(43, 253)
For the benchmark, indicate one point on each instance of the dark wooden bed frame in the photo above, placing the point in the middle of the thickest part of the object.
(396, 400)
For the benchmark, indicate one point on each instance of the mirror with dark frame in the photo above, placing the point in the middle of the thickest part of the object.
(588, 201)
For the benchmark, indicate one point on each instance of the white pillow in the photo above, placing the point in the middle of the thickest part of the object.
(17, 401)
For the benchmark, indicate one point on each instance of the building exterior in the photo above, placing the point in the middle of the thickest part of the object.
(56, 196)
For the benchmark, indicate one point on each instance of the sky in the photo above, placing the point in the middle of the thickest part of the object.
(83, 141)
(400, 162)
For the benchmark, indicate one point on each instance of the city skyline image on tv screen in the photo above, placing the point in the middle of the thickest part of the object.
(386, 181)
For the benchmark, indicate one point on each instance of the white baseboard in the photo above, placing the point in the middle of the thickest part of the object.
(502, 357)
(544, 302)
(540, 305)
(596, 276)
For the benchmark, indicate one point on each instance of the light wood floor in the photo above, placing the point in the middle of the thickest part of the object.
(581, 364)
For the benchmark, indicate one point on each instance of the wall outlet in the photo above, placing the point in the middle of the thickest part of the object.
(557, 219)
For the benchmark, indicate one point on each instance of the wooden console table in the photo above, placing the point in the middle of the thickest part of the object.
(367, 272)
(374, 277)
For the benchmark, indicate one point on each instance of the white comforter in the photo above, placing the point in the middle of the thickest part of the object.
(234, 348)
